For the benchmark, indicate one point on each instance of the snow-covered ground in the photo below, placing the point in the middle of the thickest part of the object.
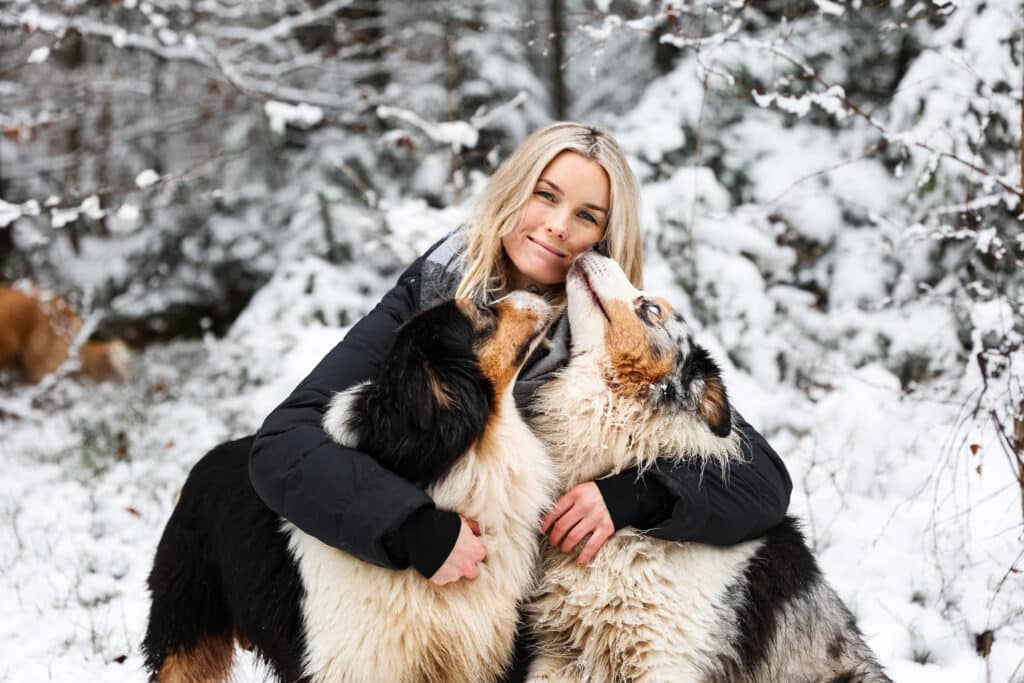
(917, 534)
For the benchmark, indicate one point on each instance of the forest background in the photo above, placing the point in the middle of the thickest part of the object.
(831, 193)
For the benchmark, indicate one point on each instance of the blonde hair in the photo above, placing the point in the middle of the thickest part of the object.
(499, 210)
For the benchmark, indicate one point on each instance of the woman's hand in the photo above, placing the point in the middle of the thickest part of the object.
(463, 558)
(579, 512)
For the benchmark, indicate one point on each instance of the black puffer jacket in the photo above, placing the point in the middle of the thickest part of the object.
(344, 498)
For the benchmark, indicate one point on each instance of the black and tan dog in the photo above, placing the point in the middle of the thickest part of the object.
(441, 414)
(637, 388)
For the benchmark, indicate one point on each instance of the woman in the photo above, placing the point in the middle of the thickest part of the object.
(567, 188)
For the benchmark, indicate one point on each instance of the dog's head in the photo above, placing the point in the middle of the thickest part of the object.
(443, 379)
(645, 349)
(461, 346)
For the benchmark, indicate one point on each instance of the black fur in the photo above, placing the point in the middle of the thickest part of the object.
(221, 555)
(398, 418)
(222, 567)
(782, 569)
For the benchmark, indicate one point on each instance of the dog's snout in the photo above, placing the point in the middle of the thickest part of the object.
(602, 249)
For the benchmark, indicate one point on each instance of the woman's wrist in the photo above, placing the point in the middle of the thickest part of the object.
(634, 501)
(425, 539)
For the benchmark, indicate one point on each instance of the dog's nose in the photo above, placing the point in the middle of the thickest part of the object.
(602, 249)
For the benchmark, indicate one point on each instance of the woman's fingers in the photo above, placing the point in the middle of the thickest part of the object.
(565, 524)
(577, 533)
(474, 526)
(557, 510)
(601, 534)
(581, 511)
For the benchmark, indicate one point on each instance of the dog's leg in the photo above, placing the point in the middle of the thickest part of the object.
(190, 635)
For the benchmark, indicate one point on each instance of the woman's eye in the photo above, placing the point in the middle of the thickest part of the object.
(545, 195)
(587, 217)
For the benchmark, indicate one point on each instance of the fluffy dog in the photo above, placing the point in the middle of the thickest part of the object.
(37, 331)
(441, 414)
(636, 388)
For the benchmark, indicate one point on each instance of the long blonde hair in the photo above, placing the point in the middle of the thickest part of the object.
(499, 210)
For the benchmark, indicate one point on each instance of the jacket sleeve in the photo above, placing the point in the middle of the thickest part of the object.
(337, 494)
(685, 502)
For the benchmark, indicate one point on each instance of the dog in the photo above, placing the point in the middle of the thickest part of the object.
(637, 387)
(38, 330)
(441, 413)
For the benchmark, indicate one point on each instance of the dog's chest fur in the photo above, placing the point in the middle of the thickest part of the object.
(505, 483)
(642, 605)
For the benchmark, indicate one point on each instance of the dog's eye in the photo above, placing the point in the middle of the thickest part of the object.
(652, 309)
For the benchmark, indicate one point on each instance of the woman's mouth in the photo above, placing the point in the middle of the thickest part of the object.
(549, 249)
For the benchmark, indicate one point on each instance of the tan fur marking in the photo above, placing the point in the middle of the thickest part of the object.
(634, 366)
(712, 401)
(439, 390)
(516, 327)
(209, 662)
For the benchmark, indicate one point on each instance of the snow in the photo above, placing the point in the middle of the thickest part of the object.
(300, 115)
(146, 178)
(39, 55)
(458, 134)
(8, 213)
(810, 285)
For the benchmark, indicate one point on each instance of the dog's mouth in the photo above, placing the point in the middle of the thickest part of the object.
(585, 279)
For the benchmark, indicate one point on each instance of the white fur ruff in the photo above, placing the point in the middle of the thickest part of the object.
(368, 624)
(643, 609)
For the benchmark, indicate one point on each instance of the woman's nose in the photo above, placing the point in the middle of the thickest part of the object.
(558, 224)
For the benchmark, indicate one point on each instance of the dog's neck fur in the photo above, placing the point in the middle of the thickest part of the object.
(590, 431)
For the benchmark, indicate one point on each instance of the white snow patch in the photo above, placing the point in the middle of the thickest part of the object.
(39, 55)
(146, 178)
(299, 115)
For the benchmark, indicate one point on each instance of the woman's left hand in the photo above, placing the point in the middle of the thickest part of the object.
(579, 512)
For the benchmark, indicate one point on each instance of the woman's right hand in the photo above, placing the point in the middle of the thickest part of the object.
(463, 558)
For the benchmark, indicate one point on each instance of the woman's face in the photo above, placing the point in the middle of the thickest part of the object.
(565, 215)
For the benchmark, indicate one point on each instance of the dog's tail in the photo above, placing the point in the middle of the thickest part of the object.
(103, 360)
(190, 636)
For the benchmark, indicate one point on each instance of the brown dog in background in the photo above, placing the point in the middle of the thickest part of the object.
(37, 330)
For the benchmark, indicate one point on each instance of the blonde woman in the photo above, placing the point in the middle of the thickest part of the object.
(567, 188)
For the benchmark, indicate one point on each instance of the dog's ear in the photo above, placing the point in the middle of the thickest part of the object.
(413, 387)
(702, 380)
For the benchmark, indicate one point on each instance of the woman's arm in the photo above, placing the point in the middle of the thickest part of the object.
(708, 507)
(341, 495)
(685, 502)
(678, 502)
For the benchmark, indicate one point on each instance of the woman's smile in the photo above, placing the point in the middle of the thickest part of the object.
(547, 249)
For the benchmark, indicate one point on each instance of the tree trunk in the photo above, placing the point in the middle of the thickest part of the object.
(558, 94)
